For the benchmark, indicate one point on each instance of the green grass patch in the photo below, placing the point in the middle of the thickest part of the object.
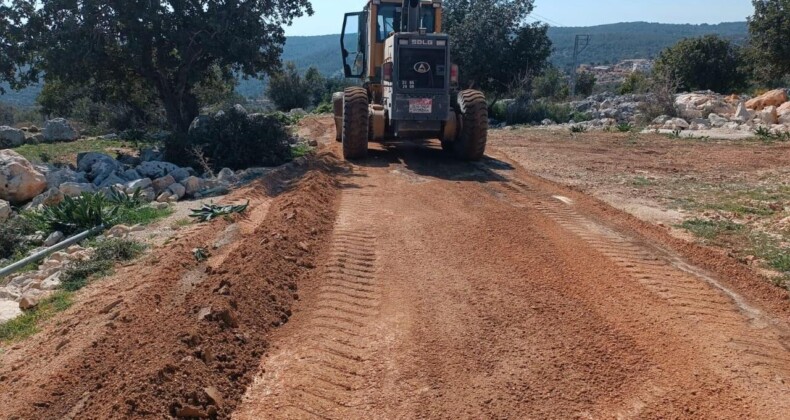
(301, 150)
(28, 323)
(142, 216)
(66, 152)
(711, 229)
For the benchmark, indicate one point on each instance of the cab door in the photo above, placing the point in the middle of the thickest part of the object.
(353, 44)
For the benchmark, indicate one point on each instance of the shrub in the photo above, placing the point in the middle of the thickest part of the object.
(550, 85)
(108, 252)
(585, 83)
(118, 250)
(709, 62)
(288, 89)
(532, 112)
(324, 108)
(73, 215)
(234, 140)
(13, 234)
(636, 82)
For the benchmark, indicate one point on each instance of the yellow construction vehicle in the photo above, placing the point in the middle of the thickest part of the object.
(409, 86)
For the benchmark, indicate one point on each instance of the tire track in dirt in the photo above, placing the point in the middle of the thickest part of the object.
(326, 375)
(748, 346)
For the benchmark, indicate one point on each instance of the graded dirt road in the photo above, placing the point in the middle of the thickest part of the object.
(412, 286)
(456, 290)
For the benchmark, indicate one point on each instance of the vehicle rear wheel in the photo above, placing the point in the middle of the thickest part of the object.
(355, 123)
(473, 135)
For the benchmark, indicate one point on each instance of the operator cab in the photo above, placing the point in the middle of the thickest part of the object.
(389, 20)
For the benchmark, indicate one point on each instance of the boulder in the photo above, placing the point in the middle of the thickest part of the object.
(241, 110)
(717, 120)
(177, 190)
(161, 184)
(131, 175)
(5, 211)
(9, 310)
(226, 175)
(52, 282)
(137, 184)
(148, 194)
(676, 124)
(11, 137)
(768, 115)
(150, 154)
(193, 185)
(97, 166)
(661, 120)
(742, 114)
(75, 189)
(58, 177)
(111, 180)
(33, 129)
(51, 197)
(784, 119)
(180, 174)
(783, 109)
(700, 124)
(19, 180)
(54, 239)
(772, 98)
(59, 130)
(156, 169)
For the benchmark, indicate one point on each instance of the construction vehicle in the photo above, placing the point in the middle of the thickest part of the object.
(409, 87)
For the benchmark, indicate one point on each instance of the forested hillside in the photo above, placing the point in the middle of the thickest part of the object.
(609, 43)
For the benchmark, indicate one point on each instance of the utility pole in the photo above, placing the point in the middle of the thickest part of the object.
(581, 44)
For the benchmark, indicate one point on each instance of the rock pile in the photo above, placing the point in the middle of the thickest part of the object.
(25, 290)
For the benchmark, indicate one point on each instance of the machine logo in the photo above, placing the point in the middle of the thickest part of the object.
(422, 67)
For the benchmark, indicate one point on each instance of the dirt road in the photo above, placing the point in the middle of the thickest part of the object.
(431, 289)
(458, 290)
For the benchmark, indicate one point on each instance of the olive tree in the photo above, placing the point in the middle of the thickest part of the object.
(709, 62)
(169, 45)
(770, 30)
(493, 44)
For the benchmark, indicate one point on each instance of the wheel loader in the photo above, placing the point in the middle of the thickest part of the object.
(409, 86)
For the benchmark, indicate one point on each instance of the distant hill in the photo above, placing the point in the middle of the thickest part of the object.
(609, 44)
(619, 41)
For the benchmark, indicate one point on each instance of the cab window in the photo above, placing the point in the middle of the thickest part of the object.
(388, 20)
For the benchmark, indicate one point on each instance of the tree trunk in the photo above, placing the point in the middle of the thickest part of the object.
(181, 109)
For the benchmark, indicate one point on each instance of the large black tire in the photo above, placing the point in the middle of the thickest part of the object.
(355, 123)
(473, 118)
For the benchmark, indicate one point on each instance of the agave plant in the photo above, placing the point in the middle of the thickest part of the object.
(76, 214)
(129, 201)
(212, 211)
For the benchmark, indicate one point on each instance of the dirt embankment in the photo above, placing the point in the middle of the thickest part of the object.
(171, 336)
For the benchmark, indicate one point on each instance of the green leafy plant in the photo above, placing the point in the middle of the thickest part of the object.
(107, 252)
(211, 211)
(129, 201)
(675, 134)
(76, 214)
(324, 108)
(200, 254)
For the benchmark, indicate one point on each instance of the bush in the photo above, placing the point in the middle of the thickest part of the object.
(636, 82)
(551, 85)
(532, 112)
(585, 83)
(288, 89)
(233, 140)
(118, 250)
(662, 99)
(709, 62)
(77, 214)
(13, 234)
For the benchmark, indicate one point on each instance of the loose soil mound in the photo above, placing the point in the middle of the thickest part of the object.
(182, 338)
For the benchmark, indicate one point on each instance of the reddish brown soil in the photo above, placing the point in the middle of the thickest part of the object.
(441, 289)
(136, 346)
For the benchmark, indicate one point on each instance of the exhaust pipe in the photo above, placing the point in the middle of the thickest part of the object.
(412, 9)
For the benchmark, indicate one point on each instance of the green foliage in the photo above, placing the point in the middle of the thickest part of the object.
(120, 198)
(534, 112)
(118, 250)
(710, 229)
(770, 29)
(77, 214)
(324, 108)
(169, 48)
(585, 83)
(624, 127)
(636, 82)
(13, 234)
(288, 89)
(234, 140)
(301, 150)
(709, 62)
(211, 211)
(493, 44)
(551, 84)
(65, 152)
(767, 135)
(27, 324)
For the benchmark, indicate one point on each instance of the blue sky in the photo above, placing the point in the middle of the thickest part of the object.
(329, 13)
